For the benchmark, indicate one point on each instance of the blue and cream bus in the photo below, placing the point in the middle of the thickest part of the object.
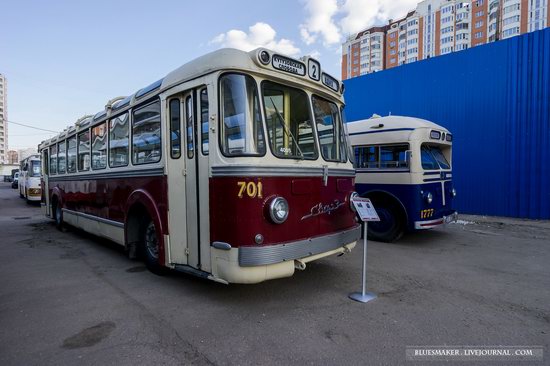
(403, 165)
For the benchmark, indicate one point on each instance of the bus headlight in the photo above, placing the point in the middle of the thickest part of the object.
(429, 197)
(453, 193)
(278, 210)
(351, 197)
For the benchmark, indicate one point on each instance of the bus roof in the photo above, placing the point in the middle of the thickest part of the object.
(391, 123)
(223, 59)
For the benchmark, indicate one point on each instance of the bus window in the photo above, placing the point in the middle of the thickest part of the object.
(241, 128)
(204, 121)
(175, 129)
(288, 122)
(99, 146)
(433, 158)
(45, 161)
(84, 151)
(118, 141)
(366, 157)
(190, 127)
(35, 168)
(393, 156)
(61, 158)
(146, 134)
(71, 154)
(438, 155)
(53, 159)
(329, 128)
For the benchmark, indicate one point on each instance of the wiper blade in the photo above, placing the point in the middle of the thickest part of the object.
(283, 124)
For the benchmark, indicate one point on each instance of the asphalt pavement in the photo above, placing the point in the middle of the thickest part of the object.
(71, 298)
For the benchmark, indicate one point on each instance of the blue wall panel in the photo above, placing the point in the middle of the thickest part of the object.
(495, 99)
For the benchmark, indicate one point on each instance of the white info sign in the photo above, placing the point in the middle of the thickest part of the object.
(365, 209)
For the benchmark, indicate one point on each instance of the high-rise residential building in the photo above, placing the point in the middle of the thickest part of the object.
(13, 157)
(438, 27)
(3, 120)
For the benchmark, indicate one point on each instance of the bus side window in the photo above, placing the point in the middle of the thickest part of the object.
(146, 134)
(118, 141)
(45, 162)
(189, 110)
(84, 151)
(204, 121)
(53, 159)
(71, 154)
(61, 159)
(393, 156)
(366, 157)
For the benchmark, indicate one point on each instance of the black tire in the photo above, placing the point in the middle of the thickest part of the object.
(391, 226)
(58, 216)
(150, 247)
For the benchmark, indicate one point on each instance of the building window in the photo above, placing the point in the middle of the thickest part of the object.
(478, 35)
(479, 24)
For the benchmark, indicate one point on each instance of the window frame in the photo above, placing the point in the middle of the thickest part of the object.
(342, 129)
(202, 122)
(128, 123)
(315, 135)
(220, 117)
(78, 150)
(146, 103)
(379, 154)
(105, 122)
(178, 102)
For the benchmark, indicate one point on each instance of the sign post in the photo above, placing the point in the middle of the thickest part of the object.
(367, 213)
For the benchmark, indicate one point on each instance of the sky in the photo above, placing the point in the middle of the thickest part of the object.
(65, 59)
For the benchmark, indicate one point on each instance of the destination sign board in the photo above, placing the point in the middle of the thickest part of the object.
(330, 82)
(289, 65)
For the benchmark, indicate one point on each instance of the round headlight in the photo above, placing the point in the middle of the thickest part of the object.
(264, 57)
(429, 197)
(351, 197)
(278, 210)
(453, 192)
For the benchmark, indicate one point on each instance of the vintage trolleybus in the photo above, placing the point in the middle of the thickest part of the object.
(233, 167)
(29, 178)
(403, 165)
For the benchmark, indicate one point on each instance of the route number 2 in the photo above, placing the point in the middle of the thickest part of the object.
(252, 189)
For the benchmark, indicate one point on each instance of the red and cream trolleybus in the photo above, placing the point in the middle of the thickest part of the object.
(233, 167)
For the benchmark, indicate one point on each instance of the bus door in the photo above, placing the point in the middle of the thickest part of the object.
(187, 191)
(44, 186)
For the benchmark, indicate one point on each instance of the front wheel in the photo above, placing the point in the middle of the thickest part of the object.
(58, 216)
(150, 248)
(390, 228)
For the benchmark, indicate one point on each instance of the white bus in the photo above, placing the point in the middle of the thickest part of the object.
(29, 178)
(403, 165)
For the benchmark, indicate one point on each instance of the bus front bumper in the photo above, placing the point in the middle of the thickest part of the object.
(429, 224)
(262, 263)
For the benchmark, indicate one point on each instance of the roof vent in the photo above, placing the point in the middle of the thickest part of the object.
(110, 103)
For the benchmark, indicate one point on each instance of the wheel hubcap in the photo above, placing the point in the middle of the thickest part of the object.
(151, 242)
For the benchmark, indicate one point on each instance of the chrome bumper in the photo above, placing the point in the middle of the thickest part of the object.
(257, 256)
(429, 224)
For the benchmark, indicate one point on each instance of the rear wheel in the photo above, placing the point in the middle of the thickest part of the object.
(150, 248)
(391, 226)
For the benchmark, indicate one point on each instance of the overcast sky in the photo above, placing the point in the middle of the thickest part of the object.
(64, 59)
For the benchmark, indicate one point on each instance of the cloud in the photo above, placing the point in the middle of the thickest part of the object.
(328, 20)
(361, 14)
(259, 35)
(320, 23)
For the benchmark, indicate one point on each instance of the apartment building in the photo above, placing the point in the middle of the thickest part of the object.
(439, 27)
(3, 120)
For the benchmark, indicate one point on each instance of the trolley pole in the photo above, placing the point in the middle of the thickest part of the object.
(367, 213)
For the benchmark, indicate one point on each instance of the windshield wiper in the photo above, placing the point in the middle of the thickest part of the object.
(283, 124)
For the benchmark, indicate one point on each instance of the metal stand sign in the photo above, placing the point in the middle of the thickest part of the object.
(367, 213)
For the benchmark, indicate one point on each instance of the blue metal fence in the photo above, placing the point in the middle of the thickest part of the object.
(495, 99)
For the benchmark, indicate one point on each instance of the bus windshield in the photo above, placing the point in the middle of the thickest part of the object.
(288, 122)
(330, 129)
(433, 158)
(35, 169)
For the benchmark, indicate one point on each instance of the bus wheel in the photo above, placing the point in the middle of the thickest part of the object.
(58, 216)
(150, 248)
(390, 228)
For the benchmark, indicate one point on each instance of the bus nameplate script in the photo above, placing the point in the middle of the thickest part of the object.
(289, 65)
